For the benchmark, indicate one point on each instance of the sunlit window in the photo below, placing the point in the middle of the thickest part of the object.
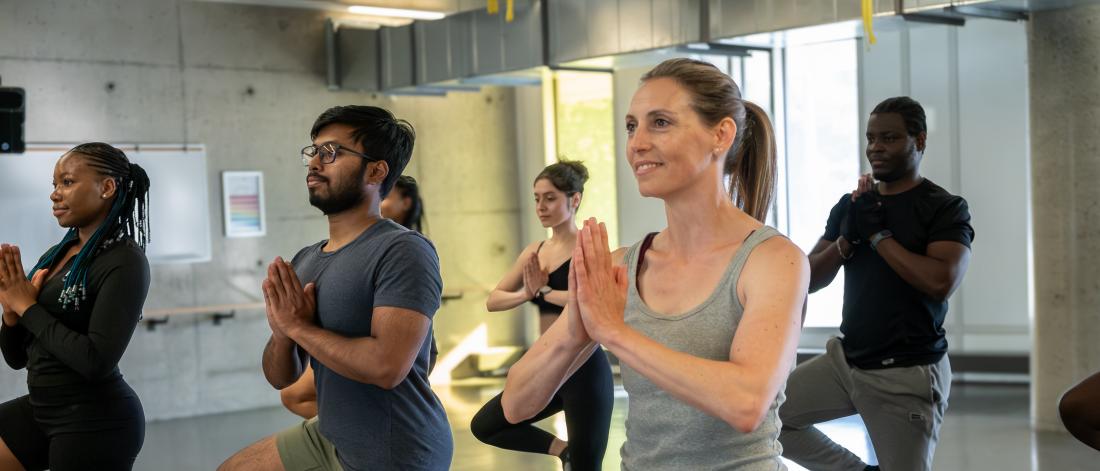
(585, 132)
(822, 151)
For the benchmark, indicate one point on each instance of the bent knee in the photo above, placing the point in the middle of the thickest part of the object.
(1071, 406)
(480, 429)
(290, 398)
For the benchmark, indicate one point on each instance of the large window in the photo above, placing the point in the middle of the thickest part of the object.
(822, 158)
(585, 131)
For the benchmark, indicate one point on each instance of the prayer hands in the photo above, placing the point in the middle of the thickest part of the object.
(289, 306)
(534, 278)
(16, 292)
(600, 293)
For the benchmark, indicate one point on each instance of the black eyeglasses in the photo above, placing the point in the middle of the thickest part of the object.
(328, 152)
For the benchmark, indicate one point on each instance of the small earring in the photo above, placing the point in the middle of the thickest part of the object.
(105, 196)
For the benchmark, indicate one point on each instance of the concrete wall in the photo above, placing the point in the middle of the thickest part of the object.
(247, 82)
(973, 83)
(1064, 49)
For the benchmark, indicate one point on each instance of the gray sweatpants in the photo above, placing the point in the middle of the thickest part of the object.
(902, 408)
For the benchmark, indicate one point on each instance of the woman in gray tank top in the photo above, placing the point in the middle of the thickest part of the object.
(703, 316)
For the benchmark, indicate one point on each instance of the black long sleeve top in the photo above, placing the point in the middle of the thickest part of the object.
(64, 347)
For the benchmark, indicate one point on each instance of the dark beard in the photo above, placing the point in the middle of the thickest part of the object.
(339, 203)
(345, 197)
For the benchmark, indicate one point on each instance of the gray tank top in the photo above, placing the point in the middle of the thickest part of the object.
(663, 433)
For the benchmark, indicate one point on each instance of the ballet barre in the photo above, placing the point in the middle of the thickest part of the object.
(151, 318)
(218, 312)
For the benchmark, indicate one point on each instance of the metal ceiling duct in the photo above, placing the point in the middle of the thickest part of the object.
(582, 29)
(476, 43)
(354, 58)
(398, 57)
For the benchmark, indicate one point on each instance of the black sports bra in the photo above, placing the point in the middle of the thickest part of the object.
(558, 281)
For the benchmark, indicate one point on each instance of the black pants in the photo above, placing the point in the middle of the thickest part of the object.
(64, 428)
(587, 399)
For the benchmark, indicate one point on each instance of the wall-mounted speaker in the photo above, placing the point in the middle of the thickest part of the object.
(13, 110)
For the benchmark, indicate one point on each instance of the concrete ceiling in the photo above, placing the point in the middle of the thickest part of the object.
(338, 9)
(446, 6)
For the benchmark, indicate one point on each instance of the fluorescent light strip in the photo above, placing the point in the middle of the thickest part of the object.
(396, 12)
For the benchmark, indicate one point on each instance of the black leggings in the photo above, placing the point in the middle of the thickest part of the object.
(587, 398)
(74, 428)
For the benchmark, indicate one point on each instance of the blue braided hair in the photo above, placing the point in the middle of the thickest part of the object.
(127, 218)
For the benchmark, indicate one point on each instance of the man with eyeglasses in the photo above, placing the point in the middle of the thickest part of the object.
(359, 308)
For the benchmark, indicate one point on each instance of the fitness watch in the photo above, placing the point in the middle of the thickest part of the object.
(879, 237)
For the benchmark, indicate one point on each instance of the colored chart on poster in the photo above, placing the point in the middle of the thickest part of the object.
(244, 204)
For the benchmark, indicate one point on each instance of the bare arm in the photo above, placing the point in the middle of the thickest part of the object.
(936, 274)
(554, 357)
(383, 359)
(510, 292)
(828, 256)
(283, 361)
(825, 262)
(300, 398)
(557, 297)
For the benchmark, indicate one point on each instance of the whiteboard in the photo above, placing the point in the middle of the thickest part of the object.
(179, 211)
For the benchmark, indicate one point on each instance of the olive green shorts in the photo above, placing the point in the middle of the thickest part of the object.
(302, 448)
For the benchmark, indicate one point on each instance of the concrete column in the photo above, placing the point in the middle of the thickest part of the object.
(1064, 52)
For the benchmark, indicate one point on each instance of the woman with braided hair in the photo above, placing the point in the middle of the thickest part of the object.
(69, 322)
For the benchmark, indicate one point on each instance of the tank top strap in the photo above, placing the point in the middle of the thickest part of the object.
(632, 261)
(635, 255)
(759, 236)
(645, 245)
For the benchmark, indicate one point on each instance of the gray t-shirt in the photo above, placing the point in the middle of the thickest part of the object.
(665, 433)
(373, 428)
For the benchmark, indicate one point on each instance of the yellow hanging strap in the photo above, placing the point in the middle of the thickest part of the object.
(509, 14)
(868, 14)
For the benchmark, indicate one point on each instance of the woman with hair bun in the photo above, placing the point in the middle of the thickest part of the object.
(541, 276)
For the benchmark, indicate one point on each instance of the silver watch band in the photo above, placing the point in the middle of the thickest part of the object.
(879, 237)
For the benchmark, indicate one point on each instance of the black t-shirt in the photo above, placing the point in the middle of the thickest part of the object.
(886, 321)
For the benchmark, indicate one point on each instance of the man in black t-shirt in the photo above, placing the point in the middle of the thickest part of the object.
(904, 243)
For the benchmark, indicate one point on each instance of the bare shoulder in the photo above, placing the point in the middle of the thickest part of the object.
(781, 246)
(530, 249)
(776, 272)
(777, 255)
(618, 257)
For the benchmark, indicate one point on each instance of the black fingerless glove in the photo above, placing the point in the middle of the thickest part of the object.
(869, 215)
